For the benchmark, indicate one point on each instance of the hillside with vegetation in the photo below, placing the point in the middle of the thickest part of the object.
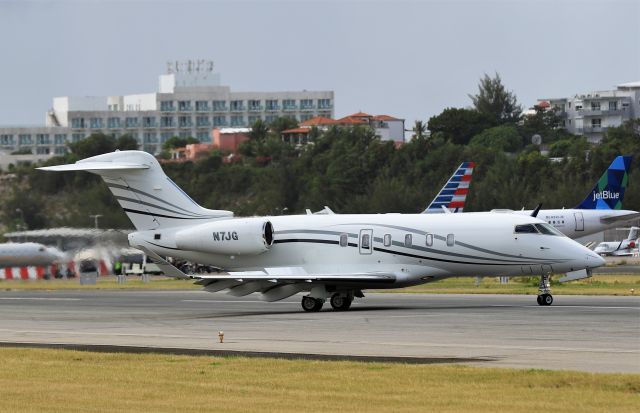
(351, 170)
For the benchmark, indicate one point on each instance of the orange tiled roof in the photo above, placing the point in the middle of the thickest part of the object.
(359, 115)
(384, 117)
(296, 130)
(350, 120)
(318, 121)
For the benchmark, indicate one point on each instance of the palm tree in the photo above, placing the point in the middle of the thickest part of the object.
(419, 130)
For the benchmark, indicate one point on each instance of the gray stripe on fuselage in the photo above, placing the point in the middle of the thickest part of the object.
(128, 188)
(315, 231)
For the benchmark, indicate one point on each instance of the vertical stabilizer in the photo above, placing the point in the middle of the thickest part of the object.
(150, 198)
(454, 193)
(608, 192)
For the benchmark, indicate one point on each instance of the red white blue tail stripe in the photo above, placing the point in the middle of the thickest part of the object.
(454, 194)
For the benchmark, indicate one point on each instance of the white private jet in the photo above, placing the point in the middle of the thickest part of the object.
(326, 255)
(22, 254)
(622, 248)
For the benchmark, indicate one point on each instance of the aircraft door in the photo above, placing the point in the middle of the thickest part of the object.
(579, 221)
(366, 241)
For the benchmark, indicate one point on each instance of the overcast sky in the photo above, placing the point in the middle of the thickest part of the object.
(410, 59)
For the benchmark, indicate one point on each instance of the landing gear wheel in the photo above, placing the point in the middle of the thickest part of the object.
(311, 304)
(340, 302)
(545, 299)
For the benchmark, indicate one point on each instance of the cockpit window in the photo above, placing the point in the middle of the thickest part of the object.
(526, 229)
(547, 229)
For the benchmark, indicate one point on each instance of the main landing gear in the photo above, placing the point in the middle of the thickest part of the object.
(544, 291)
(339, 301)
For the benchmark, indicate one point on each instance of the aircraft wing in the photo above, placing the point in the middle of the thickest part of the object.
(94, 166)
(609, 219)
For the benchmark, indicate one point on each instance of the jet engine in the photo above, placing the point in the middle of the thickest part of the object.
(242, 236)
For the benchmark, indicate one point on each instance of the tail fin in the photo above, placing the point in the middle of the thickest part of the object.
(454, 193)
(609, 190)
(150, 198)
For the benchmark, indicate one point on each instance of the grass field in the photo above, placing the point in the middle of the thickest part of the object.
(597, 285)
(34, 380)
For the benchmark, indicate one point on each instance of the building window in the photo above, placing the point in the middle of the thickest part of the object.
(166, 122)
(148, 122)
(237, 106)
(253, 119)
(306, 103)
(165, 136)
(344, 240)
(6, 140)
(272, 104)
(131, 122)
(184, 121)
(270, 118)
(167, 106)
(184, 105)
(60, 150)
(113, 123)
(43, 151)
(429, 241)
(407, 240)
(95, 123)
(203, 136)
(185, 134)
(202, 106)
(25, 140)
(77, 123)
(578, 107)
(219, 106)
(288, 104)
(255, 105)
(451, 240)
(202, 121)
(324, 103)
(219, 121)
(42, 139)
(77, 137)
(596, 123)
(595, 105)
(387, 240)
(59, 139)
(150, 137)
(237, 120)
(305, 116)
(613, 105)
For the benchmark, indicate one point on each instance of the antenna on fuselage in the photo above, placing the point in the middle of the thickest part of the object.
(535, 211)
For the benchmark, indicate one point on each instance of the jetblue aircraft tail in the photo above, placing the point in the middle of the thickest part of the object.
(453, 194)
(150, 198)
(609, 190)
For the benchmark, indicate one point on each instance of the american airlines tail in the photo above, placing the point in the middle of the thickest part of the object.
(453, 194)
(609, 190)
(150, 198)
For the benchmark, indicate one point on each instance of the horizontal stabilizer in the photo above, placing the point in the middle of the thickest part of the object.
(94, 166)
(168, 269)
(609, 219)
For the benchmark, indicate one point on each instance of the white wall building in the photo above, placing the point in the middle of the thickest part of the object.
(591, 114)
(190, 101)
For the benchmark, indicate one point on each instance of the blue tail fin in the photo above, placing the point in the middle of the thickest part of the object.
(609, 190)
(454, 193)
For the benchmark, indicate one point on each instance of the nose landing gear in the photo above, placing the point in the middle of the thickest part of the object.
(544, 290)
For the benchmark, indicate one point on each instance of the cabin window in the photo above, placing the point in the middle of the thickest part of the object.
(344, 240)
(407, 240)
(450, 240)
(387, 240)
(429, 240)
(547, 229)
(366, 242)
(156, 236)
(525, 229)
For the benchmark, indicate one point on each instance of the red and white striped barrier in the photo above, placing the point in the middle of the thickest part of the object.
(39, 272)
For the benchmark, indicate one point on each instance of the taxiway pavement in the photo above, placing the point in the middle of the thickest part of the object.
(586, 333)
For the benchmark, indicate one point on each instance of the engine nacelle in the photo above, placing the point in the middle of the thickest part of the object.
(241, 236)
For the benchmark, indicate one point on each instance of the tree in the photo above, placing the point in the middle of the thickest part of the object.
(458, 125)
(502, 138)
(419, 129)
(495, 102)
(259, 130)
(127, 143)
(95, 144)
(178, 142)
(282, 123)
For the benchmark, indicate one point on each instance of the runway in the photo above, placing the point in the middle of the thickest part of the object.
(577, 333)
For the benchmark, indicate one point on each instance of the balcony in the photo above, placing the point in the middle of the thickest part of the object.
(258, 108)
(593, 129)
(273, 108)
(238, 109)
(307, 107)
(290, 108)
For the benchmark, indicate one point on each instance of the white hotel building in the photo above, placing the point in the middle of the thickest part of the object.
(188, 103)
